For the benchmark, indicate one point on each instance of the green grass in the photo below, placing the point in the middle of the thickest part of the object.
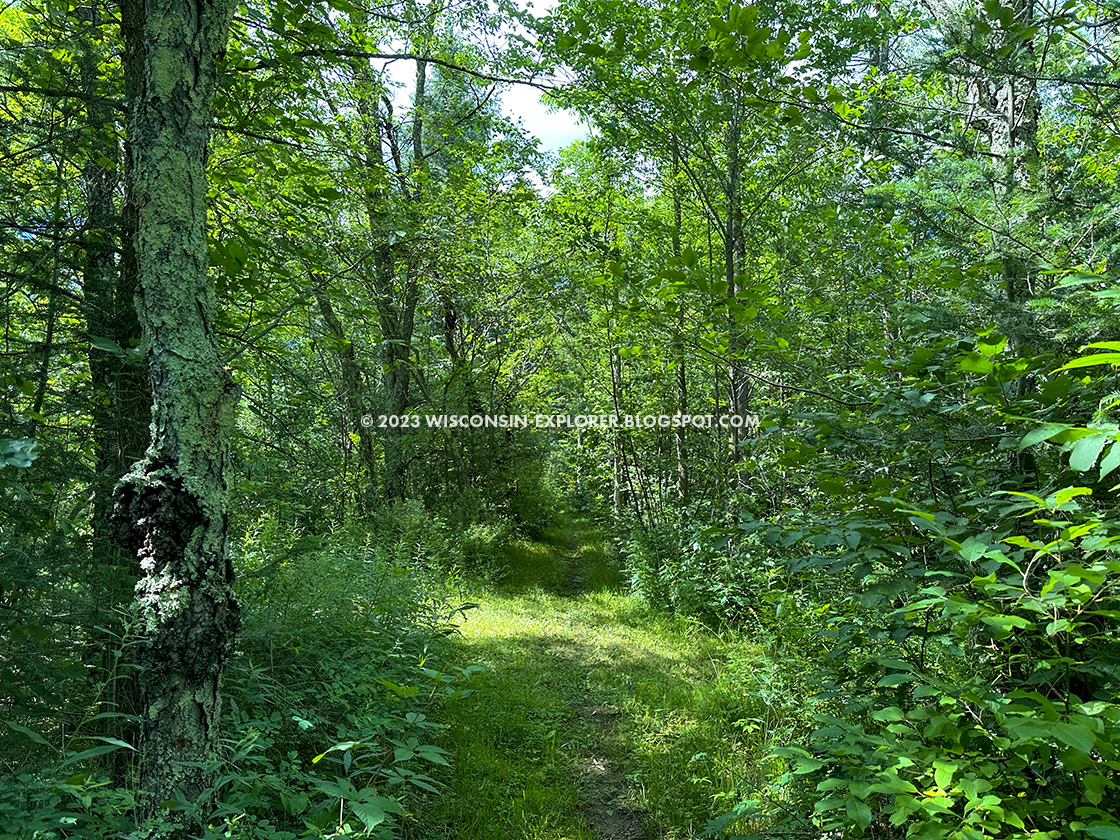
(559, 639)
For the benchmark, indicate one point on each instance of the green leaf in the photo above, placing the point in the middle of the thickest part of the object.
(1111, 460)
(18, 452)
(943, 772)
(975, 363)
(106, 344)
(1103, 832)
(1091, 361)
(891, 783)
(108, 715)
(807, 765)
(373, 810)
(972, 549)
(991, 345)
(1086, 450)
(433, 754)
(400, 690)
(858, 811)
(30, 733)
(1076, 735)
(1002, 624)
(1042, 433)
(1067, 493)
(888, 714)
(93, 751)
(1081, 278)
(116, 741)
(370, 813)
(343, 747)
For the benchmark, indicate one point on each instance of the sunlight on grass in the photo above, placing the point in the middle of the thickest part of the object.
(552, 649)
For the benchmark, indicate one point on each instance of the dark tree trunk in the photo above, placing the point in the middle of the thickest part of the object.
(354, 398)
(121, 406)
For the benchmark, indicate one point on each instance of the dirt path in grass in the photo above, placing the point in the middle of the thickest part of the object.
(608, 802)
(606, 794)
(584, 713)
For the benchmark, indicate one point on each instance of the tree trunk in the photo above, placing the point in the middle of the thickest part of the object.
(352, 386)
(121, 405)
(734, 246)
(681, 444)
(618, 459)
(172, 506)
(1004, 104)
(397, 323)
(396, 312)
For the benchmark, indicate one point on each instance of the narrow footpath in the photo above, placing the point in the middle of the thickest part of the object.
(590, 718)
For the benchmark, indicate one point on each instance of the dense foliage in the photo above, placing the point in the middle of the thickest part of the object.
(866, 249)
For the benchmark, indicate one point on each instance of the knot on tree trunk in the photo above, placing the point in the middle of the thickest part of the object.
(154, 515)
(191, 616)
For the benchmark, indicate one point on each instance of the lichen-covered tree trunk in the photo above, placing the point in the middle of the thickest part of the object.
(172, 506)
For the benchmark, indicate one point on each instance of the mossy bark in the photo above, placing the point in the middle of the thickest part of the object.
(172, 506)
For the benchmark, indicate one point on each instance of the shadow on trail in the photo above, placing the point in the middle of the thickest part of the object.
(569, 561)
(550, 744)
(564, 707)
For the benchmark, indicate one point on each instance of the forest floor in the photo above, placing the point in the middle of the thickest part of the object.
(592, 718)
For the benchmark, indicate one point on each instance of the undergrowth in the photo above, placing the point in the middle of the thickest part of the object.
(328, 729)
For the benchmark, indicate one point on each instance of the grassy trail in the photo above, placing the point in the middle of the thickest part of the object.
(593, 719)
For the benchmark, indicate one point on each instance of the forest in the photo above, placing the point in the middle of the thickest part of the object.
(744, 469)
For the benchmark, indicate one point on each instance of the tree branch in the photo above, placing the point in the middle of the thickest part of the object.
(352, 53)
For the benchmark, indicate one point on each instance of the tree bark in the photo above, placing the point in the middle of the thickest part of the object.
(1004, 104)
(680, 442)
(354, 399)
(120, 410)
(734, 246)
(396, 311)
(172, 506)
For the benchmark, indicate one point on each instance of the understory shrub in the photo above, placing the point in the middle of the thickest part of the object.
(484, 549)
(340, 662)
(970, 696)
(327, 700)
(702, 574)
(996, 712)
